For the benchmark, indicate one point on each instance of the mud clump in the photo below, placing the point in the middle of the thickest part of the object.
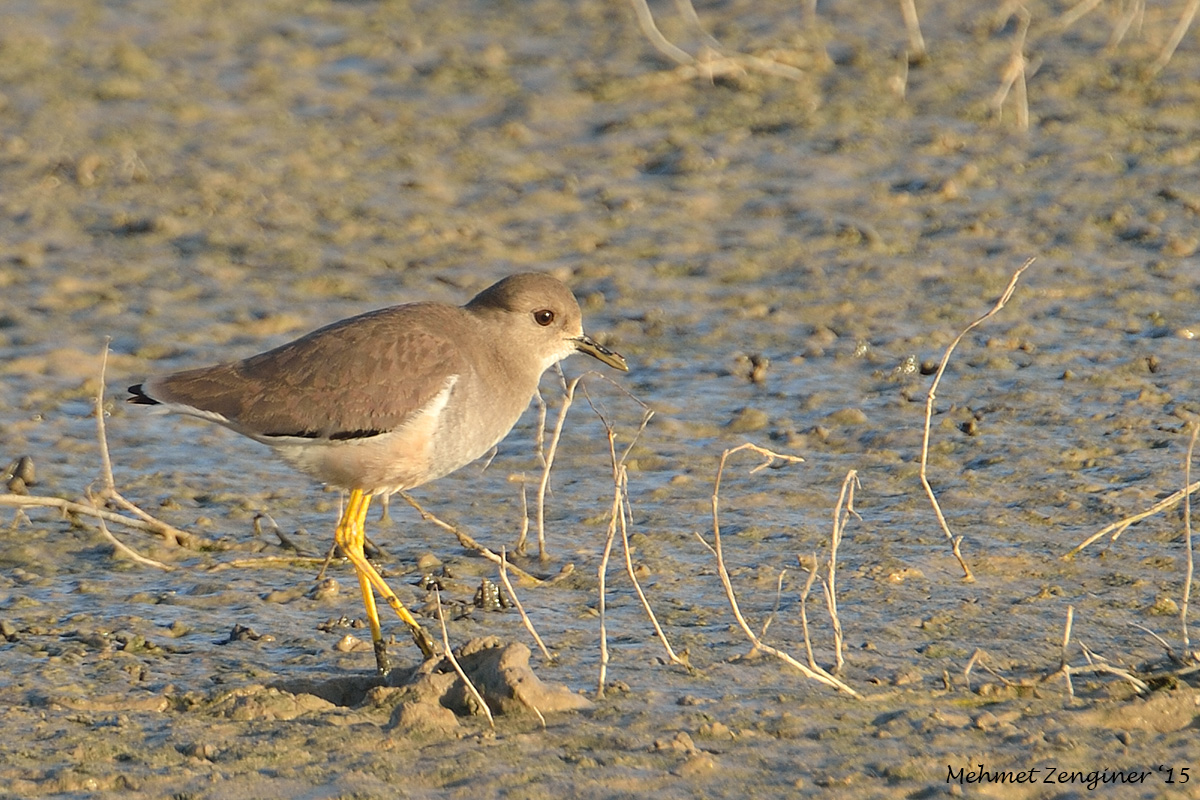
(430, 697)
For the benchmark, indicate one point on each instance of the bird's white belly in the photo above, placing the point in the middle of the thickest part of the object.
(433, 442)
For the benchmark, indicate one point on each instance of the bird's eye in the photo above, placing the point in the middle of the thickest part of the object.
(543, 317)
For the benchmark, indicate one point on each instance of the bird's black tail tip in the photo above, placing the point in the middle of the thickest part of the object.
(139, 397)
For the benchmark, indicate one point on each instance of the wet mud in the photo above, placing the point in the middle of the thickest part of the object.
(782, 262)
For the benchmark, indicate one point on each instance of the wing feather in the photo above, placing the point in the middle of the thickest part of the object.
(359, 377)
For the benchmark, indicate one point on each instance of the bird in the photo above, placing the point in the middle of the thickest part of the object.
(391, 399)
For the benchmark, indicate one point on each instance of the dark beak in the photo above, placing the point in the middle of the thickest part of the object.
(586, 344)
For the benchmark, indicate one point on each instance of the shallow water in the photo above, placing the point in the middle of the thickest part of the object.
(200, 182)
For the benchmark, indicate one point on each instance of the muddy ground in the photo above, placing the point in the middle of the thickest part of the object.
(199, 181)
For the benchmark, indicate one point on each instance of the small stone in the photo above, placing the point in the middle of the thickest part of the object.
(23, 468)
(241, 633)
(758, 368)
(489, 597)
(847, 416)
(681, 742)
(748, 420)
(428, 562)
(715, 730)
(201, 750)
(350, 644)
(1164, 607)
(324, 590)
(85, 169)
(987, 720)
(699, 764)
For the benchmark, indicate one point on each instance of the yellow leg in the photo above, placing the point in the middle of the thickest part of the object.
(381, 656)
(351, 533)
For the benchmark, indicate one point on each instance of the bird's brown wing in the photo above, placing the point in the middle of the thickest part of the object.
(359, 377)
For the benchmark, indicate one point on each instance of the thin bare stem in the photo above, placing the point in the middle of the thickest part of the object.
(82, 509)
(912, 24)
(819, 675)
(1187, 532)
(524, 535)
(110, 484)
(263, 561)
(956, 542)
(980, 659)
(539, 448)
(458, 667)
(1134, 11)
(691, 67)
(1064, 665)
(106, 471)
(601, 574)
(1075, 13)
(1012, 78)
(621, 483)
(812, 576)
(508, 587)
(620, 515)
(551, 451)
(650, 31)
(637, 586)
(686, 10)
(1120, 526)
(465, 540)
(1181, 28)
(95, 507)
(108, 492)
(775, 608)
(975, 657)
(1066, 640)
(1098, 665)
(126, 549)
(1165, 644)
(841, 515)
(539, 437)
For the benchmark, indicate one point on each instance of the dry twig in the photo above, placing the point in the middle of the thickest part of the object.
(979, 658)
(1012, 78)
(1096, 665)
(1063, 665)
(1121, 525)
(912, 24)
(465, 540)
(637, 586)
(601, 574)
(1075, 13)
(109, 490)
(1181, 28)
(551, 452)
(619, 519)
(1187, 533)
(812, 577)
(1135, 11)
(841, 515)
(709, 67)
(512, 593)
(816, 674)
(956, 542)
(462, 676)
(108, 493)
